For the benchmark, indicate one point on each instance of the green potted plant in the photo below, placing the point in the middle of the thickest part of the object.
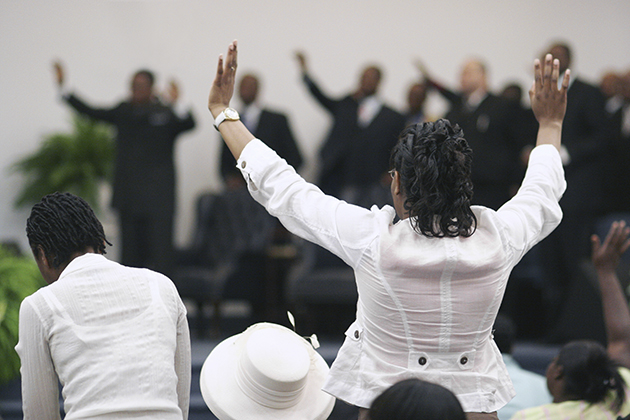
(19, 278)
(77, 162)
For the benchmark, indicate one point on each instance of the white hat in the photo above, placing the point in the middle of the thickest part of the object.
(265, 372)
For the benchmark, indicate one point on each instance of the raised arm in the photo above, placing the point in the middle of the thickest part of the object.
(449, 95)
(324, 100)
(234, 133)
(605, 257)
(103, 114)
(549, 103)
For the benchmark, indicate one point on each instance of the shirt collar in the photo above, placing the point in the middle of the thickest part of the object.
(79, 263)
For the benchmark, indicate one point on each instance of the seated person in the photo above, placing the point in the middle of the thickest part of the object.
(413, 399)
(115, 337)
(587, 381)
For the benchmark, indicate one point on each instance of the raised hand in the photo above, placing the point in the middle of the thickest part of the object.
(172, 92)
(223, 86)
(606, 255)
(59, 72)
(549, 102)
(419, 65)
(301, 58)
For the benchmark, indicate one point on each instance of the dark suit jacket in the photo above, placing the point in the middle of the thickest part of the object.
(617, 182)
(273, 129)
(585, 135)
(493, 131)
(351, 155)
(144, 176)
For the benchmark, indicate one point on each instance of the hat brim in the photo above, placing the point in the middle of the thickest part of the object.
(225, 399)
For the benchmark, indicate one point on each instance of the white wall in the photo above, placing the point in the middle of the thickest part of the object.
(102, 42)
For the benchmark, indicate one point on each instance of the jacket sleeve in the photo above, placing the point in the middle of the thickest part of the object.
(323, 99)
(103, 114)
(183, 123)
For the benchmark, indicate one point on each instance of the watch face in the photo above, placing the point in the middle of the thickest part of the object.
(231, 114)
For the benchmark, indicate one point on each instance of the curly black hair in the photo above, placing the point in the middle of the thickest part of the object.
(590, 373)
(434, 163)
(62, 224)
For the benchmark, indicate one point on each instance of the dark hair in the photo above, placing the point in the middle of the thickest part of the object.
(146, 73)
(62, 224)
(434, 162)
(589, 373)
(412, 399)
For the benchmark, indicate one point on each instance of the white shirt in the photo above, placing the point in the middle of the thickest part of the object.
(369, 108)
(250, 116)
(115, 337)
(426, 305)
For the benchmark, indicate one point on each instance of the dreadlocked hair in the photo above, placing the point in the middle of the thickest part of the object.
(62, 224)
(434, 163)
(590, 373)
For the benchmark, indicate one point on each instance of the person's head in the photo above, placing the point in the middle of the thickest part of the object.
(413, 399)
(610, 84)
(248, 89)
(512, 92)
(416, 96)
(562, 52)
(431, 169)
(625, 86)
(584, 371)
(504, 333)
(142, 86)
(369, 81)
(62, 226)
(473, 77)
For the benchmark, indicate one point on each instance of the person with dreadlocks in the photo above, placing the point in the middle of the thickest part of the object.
(115, 337)
(429, 285)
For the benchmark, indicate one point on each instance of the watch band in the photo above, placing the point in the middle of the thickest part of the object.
(224, 115)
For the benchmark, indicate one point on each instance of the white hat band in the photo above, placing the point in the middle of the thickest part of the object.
(264, 390)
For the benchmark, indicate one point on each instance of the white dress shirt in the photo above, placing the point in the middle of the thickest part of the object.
(115, 337)
(426, 305)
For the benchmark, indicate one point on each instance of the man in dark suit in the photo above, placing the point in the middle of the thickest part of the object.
(355, 155)
(416, 98)
(144, 176)
(585, 139)
(268, 126)
(618, 185)
(491, 126)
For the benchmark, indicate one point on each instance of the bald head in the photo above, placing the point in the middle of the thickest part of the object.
(473, 77)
